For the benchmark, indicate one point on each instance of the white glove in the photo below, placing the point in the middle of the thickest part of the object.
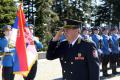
(100, 51)
(6, 49)
(36, 39)
(110, 50)
(119, 48)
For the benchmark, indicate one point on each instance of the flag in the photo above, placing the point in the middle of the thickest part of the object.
(25, 54)
(20, 41)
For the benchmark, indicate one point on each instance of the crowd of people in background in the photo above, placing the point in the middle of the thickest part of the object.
(107, 41)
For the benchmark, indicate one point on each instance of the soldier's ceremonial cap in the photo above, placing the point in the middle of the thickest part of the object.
(95, 28)
(6, 27)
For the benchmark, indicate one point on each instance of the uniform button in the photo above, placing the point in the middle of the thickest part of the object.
(71, 62)
(71, 72)
(61, 58)
(64, 71)
(65, 62)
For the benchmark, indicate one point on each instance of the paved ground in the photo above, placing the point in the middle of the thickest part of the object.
(47, 70)
(51, 70)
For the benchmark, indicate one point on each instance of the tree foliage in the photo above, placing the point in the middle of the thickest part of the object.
(7, 12)
(109, 12)
(73, 9)
(45, 17)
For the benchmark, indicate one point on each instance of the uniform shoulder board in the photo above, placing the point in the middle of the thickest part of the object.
(87, 40)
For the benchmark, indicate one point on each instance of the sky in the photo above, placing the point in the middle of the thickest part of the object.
(97, 2)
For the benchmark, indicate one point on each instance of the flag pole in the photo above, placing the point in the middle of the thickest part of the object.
(22, 1)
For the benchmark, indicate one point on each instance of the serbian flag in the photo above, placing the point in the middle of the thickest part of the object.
(25, 54)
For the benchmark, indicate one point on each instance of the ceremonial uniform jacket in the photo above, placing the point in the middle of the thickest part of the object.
(115, 44)
(38, 44)
(97, 39)
(105, 44)
(79, 61)
(7, 57)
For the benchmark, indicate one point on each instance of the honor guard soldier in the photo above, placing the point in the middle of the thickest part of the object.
(85, 34)
(7, 61)
(79, 58)
(97, 40)
(38, 44)
(114, 48)
(118, 63)
(106, 51)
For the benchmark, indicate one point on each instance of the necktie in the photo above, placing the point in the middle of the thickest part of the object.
(70, 45)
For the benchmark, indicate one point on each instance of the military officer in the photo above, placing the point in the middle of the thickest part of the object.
(7, 61)
(79, 58)
(106, 51)
(114, 47)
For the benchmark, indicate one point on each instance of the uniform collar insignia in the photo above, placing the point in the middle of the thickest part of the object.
(79, 40)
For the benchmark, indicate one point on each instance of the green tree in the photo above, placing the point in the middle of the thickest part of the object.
(67, 9)
(115, 12)
(45, 17)
(45, 20)
(109, 12)
(103, 14)
(7, 12)
(73, 9)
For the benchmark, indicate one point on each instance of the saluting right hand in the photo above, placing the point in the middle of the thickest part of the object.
(58, 35)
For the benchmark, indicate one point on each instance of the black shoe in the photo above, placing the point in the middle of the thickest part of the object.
(106, 75)
(115, 73)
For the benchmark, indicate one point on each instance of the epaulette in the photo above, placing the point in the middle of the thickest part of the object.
(87, 40)
(79, 40)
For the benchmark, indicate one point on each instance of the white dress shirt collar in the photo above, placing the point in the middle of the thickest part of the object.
(75, 40)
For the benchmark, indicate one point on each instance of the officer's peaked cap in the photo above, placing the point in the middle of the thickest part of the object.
(70, 23)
